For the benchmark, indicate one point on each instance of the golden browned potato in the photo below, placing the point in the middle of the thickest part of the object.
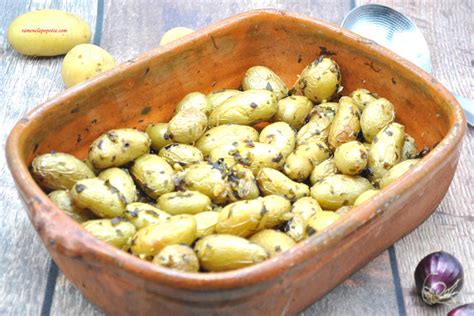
(218, 97)
(302, 210)
(321, 80)
(397, 171)
(122, 181)
(351, 158)
(143, 214)
(409, 150)
(186, 202)
(281, 136)
(320, 221)
(187, 126)
(362, 97)
(208, 179)
(59, 171)
(323, 169)
(293, 110)
(116, 232)
(225, 134)
(194, 100)
(63, 200)
(271, 181)
(223, 252)
(178, 257)
(206, 223)
(158, 133)
(153, 174)
(365, 196)
(260, 77)
(273, 241)
(345, 126)
(300, 163)
(317, 129)
(180, 156)
(376, 115)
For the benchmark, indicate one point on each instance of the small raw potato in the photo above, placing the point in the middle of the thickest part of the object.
(339, 190)
(225, 134)
(300, 163)
(293, 110)
(281, 136)
(273, 241)
(302, 211)
(206, 223)
(317, 129)
(149, 241)
(351, 158)
(83, 62)
(386, 150)
(218, 97)
(321, 80)
(143, 214)
(178, 257)
(180, 156)
(346, 125)
(260, 77)
(99, 196)
(158, 133)
(208, 179)
(174, 34)
(322, 170)
(271, 181)
(187, 126)
(116, 232)
(194, 100)
(320, 221)
(397, 171)
(222, 252)
(365, 196)
(47, 33)
(409, 150)
(118, 147)
(153, 174)
(63, 200)
(376, 115)
(362, 97)
(186, 202)
(326, 109)
(246, 108)
(59, 171)
(122, 181)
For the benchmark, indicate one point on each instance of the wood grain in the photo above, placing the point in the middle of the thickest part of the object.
(447, 27)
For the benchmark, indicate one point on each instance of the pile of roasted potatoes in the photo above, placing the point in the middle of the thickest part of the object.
(236, 176)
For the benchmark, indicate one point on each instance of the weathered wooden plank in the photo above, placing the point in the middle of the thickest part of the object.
(24, 83)
(447, 27)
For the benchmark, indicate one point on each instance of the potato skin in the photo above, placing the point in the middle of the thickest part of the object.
(320, 80)
(225, 134)
(339, 190)
(122, 181)
(63, 200)
(323, 169)
(159, 137)
(300, 163)
(397, 171)
(351, 158)
(218, 97)
(59, 171)
(376, 115)
(186, 202)
(246, 108)
(271, 181)
(362, 97)
(143, 214)
(116, 232)
(187, 126)
(47, 43)
(118, 147)
(178, 257)
(261, 77)
(302, 210)
(365, 196)
(194, 100)
(281, 136)
(149, 241)
(153, 174)
(206, 223)
(222, 252)
(318, 222)
(346, 125)
(293, 110)
(99, 196)
(273, 241)
(180, 156)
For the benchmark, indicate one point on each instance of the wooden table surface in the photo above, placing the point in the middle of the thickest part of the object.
(30, 283)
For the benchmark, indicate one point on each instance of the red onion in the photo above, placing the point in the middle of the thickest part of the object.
(438, 277)
(463, 310)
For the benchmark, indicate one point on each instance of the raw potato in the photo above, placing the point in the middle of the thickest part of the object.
(149, 241)
(246, 108)
(62, 199)
(320, 81)
(115, 232)
(397, 171)
(187, 126)
(293, 110)
(206, 223)
(376, 115)
(153, 174)
(273, 241)
(142, 214)
(281, 136)
(218, 97)
(302, 211)
(158, 133)
(225, 134)
(365, 196)
(227, 252)
(339, 190)
(208, 179)
(47, 33)
(345, 126)
(317, 129)
(260, 77)
(322, 170)
(300, 163)
(320, 221)
(409, 150)
(174, 34)
(118, 147)
(351, 158)
(177, 257)
(194, 100)
(362, 97)
(83, 62)
(122, 181)
(180, 156)
(99, 196)
(386, 150)
(187, 202)
(272, 181)
(59, 171)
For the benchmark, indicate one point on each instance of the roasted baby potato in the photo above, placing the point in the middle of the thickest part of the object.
(351, 158)
(225, 134)
(273, 241)
(158, 133)
(281, 136)
(218, 97)
(178, 257)
(302, 210)
(194, 100)
(153, 174)
(63, 200)
(122, 181)
(143, 214)
(187, 126)
(323, 169)
(186, 202)
(326, 109)
(300, 163)
(293, 110)
(321, 80)
(362, 97)
(271, 181)
(365, 196)
(346, 125)
(320, 221)
(116, 232)
(409, 150)
(180, 156)
(260, 77)
(206, 223)
(208, 179)
(376, 115)
(317, 129)
(397, 171)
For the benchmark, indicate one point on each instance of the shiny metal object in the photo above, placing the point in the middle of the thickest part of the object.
(398, 33)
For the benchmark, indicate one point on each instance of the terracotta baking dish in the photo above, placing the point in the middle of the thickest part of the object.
(147, 88)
